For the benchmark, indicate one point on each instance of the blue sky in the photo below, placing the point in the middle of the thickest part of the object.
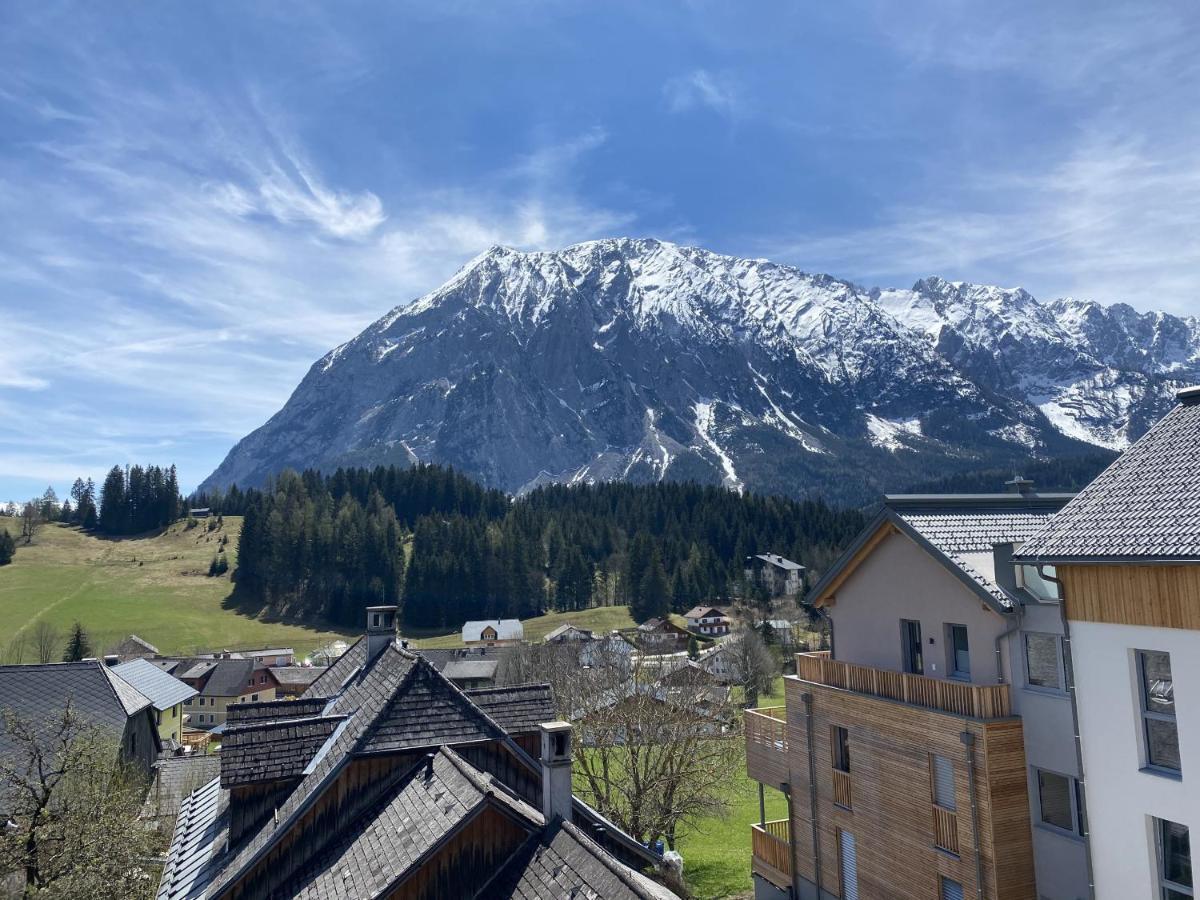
(199, 199)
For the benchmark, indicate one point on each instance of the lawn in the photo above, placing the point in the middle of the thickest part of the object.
(154, 586)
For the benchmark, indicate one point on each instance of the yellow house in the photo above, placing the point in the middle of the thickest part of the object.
(166, 693)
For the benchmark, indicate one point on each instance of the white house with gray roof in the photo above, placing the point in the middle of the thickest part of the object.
(1127, 552)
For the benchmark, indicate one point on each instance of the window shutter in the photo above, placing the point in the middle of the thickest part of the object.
(951, 890)
(849, 866)
(943, 782)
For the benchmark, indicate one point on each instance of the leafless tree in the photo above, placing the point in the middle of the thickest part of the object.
(74, 809)
(14, 653)
(47, 642)
(751, 663)
(654, 757)
(31, 520)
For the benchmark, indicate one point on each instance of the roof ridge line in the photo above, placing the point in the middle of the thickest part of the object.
(606, 859)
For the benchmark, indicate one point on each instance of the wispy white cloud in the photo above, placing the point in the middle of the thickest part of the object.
(702, 88)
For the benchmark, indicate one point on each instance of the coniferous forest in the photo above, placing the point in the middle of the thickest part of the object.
(331, 544)
(136, 499)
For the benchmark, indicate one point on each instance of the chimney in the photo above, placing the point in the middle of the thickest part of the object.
(1019, 485)
(1002, 562)
(556, 770)
(111, 659)
(381, 629)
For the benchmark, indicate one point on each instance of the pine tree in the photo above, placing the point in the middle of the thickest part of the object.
(8, 547)
(79, 646)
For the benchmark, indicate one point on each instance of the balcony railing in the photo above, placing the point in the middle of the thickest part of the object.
(767, 727)
(841, 789)
(980, 701)
(945, 829)
(771, 845)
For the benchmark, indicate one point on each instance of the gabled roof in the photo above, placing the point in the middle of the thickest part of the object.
(567, 630)
(779, 562)
(38, 693)
(471, 669)
(133, 646)
(229, 678)
(163, 690)
(1145, 507)
(563, 862)
(517, 709)
(273, 750)
(296, 676)
(704, 612)
(373, 858)
(960, 531)
(506, 629)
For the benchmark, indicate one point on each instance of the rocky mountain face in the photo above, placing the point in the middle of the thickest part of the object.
(641, 360)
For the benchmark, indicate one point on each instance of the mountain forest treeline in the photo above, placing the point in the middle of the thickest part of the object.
(447, 549)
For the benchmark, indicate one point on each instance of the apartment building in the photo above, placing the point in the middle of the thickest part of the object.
(1127, 552)
(930, 753)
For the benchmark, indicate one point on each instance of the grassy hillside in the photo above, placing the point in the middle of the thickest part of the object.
(602, 618)
(156, 587)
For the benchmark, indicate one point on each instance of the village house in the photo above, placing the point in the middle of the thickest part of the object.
(493, 633)
(1126, 552)
(222, 682)
(386, 781)
(779, 575)
(96, 694)
(166, 694)
(467, 667)
(660, 636)
(568, 632)
(292, 681)
(133, 647)
(931, 752)
(710, 621)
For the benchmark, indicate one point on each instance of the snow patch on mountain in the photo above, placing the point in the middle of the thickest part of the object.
(889, 433)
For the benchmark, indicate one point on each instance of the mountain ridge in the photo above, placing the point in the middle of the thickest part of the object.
(643, 359)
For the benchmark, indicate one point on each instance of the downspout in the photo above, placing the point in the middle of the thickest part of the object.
(1069, 678)
(968, 740)
(807, 697)
(787, 795)
(1018, 612)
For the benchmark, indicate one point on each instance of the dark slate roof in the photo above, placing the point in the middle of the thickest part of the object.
(163, 690)
(40, 691)
(175, 777)
(440, 658)
(332, 679)
(408, 722)
(563, 862)
(273, 750)
(267, 710)
(389, 841)
(517, 709)
(1143, 507)
(229, 678)
(134, 647)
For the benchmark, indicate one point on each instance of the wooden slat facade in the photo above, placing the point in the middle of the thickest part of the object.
(890, 746)
(767, 746)
(1162, 596)
(771, 851)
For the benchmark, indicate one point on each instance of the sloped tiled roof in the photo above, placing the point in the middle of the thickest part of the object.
(273, 750)
(564, 863)
(134, 647)
(296, 676)
(517, 709)
(330, 681)
(200, 831)
(267, 710)
(506, 629)
(432, 800)
(41, 691)
(163, 690)
(229, 678)
(1145, 506)
(407, 724)
(470, 669)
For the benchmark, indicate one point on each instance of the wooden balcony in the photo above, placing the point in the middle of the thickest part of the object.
(767, 745)
(772, 852)
(841, 789)
(945, 829)
(978, 701)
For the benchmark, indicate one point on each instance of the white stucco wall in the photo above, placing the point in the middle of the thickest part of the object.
(1121, 799)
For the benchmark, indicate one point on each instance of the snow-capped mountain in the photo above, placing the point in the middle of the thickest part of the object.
(640, 359)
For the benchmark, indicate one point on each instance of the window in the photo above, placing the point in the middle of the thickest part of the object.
(1059, 802)
(1174, 860)
(158, 717)
(201, 701)
(941, 774)
(132, 742)
(910, 639)
(959, 662)
(174, 712)
(1043, 661)
(254, 698)
(840, 739)
(1158, 710)
(951, 890)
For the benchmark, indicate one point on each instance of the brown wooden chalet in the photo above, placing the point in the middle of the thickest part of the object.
(386, 780)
